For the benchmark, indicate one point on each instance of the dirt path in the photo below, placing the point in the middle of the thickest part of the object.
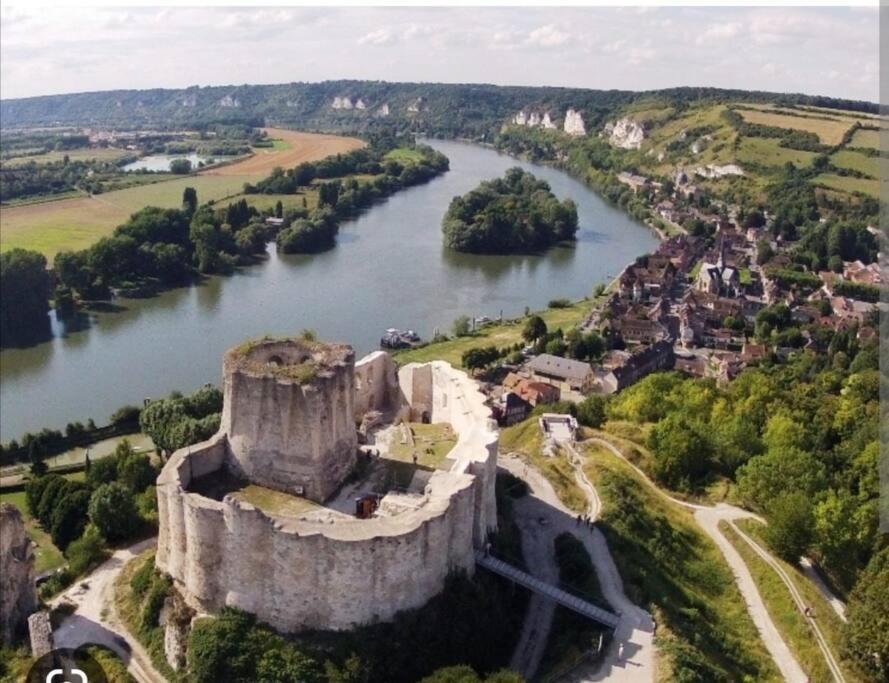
(95, 619)
(708, 518)
(301, 147)
(630, 657)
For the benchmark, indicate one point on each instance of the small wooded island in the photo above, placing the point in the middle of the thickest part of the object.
(513, 214)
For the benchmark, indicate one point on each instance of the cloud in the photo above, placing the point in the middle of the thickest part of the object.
(381, 36)
(717, 32)
(547, 36)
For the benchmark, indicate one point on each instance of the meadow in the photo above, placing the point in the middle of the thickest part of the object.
(81, 154)
(868, 139)
(50, 227)
(849, 184)
(857, 162)
(768, 152)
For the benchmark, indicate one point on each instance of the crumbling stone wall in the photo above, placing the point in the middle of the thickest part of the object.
(305, 573)
(18, 598)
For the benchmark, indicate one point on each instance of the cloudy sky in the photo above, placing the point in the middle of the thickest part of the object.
(820, 51)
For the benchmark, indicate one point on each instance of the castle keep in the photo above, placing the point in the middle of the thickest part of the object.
(284, 514)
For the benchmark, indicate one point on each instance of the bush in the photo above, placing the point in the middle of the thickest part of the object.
(86, 552)
(126, 415)
(113, 511)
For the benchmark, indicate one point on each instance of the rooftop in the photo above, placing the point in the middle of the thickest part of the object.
(560, 367)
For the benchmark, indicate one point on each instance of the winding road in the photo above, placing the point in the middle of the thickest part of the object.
(708, 518)
(95, 618)
(630, 656)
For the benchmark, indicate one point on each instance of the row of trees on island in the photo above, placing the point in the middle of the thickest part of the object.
(514, 214)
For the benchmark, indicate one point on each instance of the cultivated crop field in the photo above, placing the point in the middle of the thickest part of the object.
(50, 227)
(291, 148)
(829, 131)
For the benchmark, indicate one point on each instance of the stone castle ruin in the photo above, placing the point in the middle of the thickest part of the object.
(18, 598)
(335, 493)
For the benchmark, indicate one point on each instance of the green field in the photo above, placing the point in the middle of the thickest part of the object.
(868, 139)
(768, 152)
(857, 162)
(784, 612)
(263, 202)
(50, 227)
(83, 154)
(849, 184)
(505, 334)
(829, 131)
(404, 155)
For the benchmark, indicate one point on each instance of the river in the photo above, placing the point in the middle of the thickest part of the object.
(388, 269)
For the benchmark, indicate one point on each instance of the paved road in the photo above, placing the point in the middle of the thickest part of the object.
(630, 657)
(95, 619)
(708, 518)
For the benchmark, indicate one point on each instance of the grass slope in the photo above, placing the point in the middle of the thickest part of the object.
(505, 334)
(46, 555)
(670, 566)
(790, 623)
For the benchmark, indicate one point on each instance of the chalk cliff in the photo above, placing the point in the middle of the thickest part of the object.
(574, 123)
(624, 133)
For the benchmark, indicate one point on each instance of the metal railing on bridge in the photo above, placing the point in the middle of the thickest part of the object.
(562, 597)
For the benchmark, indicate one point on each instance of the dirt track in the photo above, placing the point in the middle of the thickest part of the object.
(303, 147)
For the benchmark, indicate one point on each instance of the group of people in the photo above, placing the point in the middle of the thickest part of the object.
(586, 520)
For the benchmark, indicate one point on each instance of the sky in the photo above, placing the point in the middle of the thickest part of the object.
(819, 51)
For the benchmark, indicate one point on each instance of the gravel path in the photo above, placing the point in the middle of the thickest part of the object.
(630, 656)
(708, 518)
(95, 619)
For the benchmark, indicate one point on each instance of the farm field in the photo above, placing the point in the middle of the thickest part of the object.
(50, 227)
(857, 162)
(768, 152)
(829, 131)
(84, 154)
(848, 184)
(293, 147)
(869, 139)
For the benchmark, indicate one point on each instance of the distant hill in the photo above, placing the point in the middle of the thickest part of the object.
(450, 110)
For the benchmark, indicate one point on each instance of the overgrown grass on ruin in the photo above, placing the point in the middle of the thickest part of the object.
(431, 443)
(791, 624)
(669, 566)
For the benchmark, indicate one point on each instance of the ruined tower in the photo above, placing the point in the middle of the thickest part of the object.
(288, 414)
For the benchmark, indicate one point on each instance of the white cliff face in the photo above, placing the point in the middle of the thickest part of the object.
(534, 119)
(624, 133)
(382, 111)
(520, 119)
(342, 103)
(716, 171)
(189, 101)
(360, 104)
(418, 105)
(574, 123)
(548, 122)
(700, 144)
(229, 101)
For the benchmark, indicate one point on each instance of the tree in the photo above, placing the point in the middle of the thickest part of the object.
(180, 166)
(461, 326)
(86, 552)
(765, 477)
(102, 471)
(69, 518)
(279, 209)
(286, 664)
(534, 329)
(478, 358)
(681, 453)
(789, 531)
(24, 295)
(113, 510)
(591, 411)
(866, 636)
(189, 201)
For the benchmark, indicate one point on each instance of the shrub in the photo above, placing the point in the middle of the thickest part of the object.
(113, 511)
